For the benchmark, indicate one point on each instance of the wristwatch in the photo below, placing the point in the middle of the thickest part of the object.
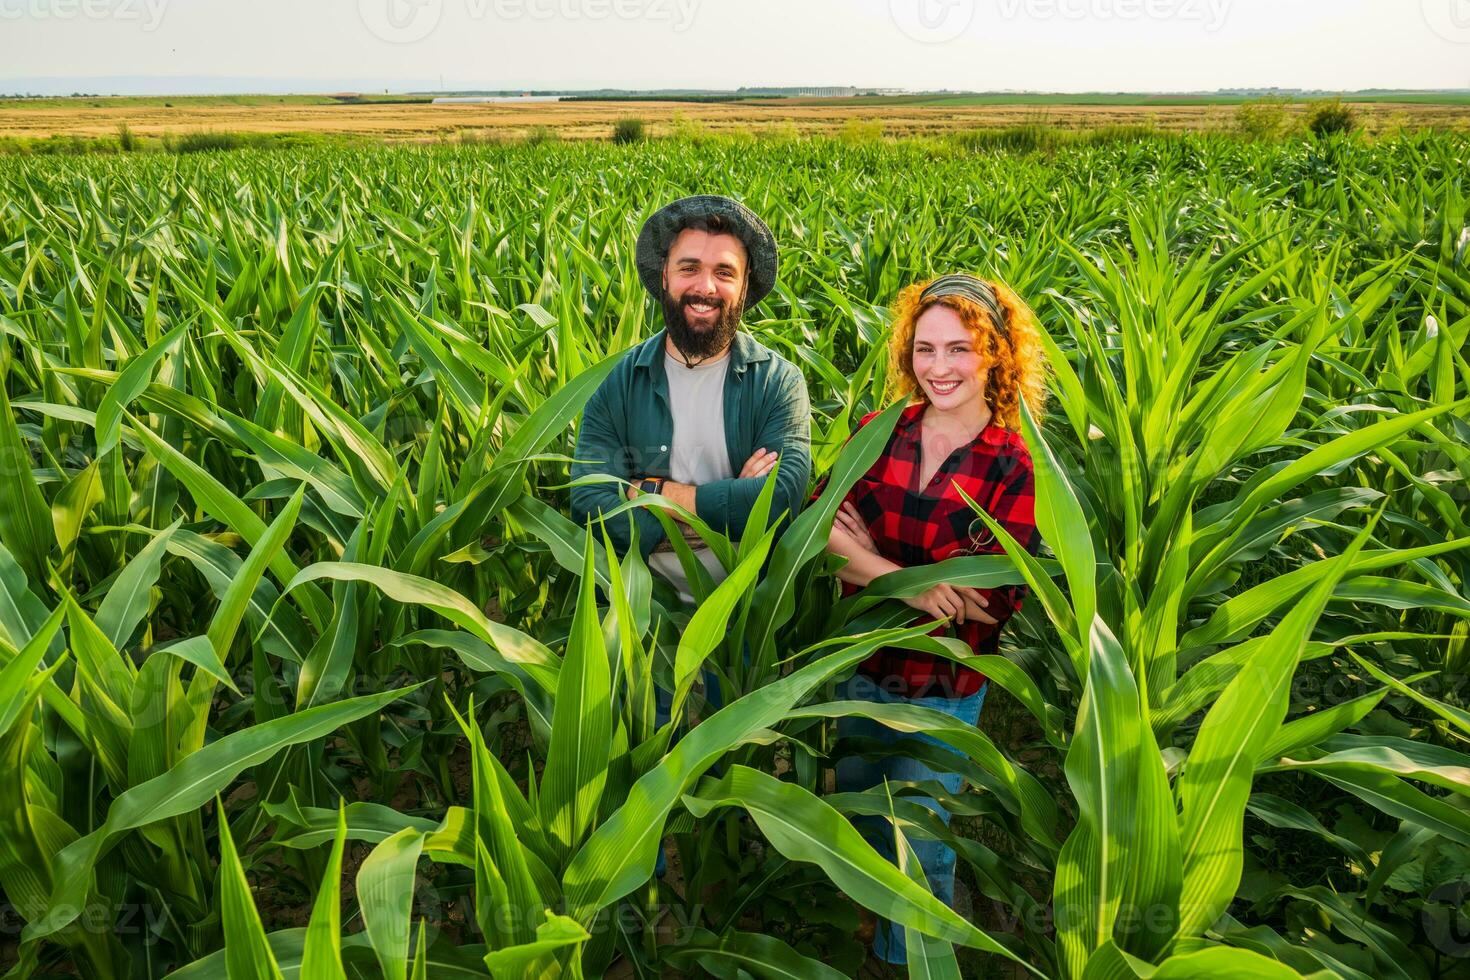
(653, 484)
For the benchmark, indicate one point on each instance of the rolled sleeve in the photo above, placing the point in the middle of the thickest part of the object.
(603, 451)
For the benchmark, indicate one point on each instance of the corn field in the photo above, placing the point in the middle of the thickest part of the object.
(304, 672)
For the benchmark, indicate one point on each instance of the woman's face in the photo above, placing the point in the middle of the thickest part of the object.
(950, 370)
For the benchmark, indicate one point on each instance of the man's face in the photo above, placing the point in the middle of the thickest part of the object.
(704, 291)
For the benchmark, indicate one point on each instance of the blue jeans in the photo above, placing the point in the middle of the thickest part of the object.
(663, 701)
(855, 775)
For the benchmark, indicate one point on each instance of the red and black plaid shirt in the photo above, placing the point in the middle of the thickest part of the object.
(913, 525)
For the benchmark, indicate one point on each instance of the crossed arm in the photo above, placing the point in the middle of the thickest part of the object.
(784, 434)
(684, 494)
(850, 539)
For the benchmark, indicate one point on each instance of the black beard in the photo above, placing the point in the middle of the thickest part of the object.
(698, 345)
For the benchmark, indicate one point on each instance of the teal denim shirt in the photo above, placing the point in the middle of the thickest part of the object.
(627, 429)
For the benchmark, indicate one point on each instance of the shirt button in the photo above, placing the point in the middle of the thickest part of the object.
(663, 449)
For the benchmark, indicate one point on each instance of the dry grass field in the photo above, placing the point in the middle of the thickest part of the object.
(587, 120)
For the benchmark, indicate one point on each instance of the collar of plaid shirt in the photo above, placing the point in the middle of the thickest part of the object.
(915, 526)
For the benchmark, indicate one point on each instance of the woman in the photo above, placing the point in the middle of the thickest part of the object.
(964, 352)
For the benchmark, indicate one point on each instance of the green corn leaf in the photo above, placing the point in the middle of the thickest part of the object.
(756, 954)
(126, 604)
(130, 383)
(231, 611)
(248, 955)
(582, 725)
(442, 960)
(1289, 816)
(1343, 448)
(385, 886)
(620, 853)
(775, 600)
(1062, 523)
(1215, 784)
(187, 786)
(1309, 730)
(1457, 717)
(974, 571)
(280, 629)
(803, 828)
(16, 676)
(25, 522)
(21, 611)
(505, 829)
(480, 656)
(420, 969)
(537, 957)
(305, 827)
(711, 620)
(213, 497)
(321, 956)
(1028, 797)
(199, 651)
(559, 534)
(70, 508)
(1122, 859)
(534, 658)
(1406, 758)
(1038, 579)
(928, 958)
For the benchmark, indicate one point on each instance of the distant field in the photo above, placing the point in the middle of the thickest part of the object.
(400, 119)
(199, 101)
(1131, 99)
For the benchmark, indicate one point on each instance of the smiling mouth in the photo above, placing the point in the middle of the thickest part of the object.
(701, 308)
(943, 387)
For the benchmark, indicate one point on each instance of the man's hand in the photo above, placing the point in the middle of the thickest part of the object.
(682, 494)
(758, 465)
(855, 527)
(955, 602)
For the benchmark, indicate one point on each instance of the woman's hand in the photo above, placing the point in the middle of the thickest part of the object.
(855, 527)
(758, 465)
(955, 602)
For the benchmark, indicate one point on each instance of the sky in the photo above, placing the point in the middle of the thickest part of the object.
(178, 46)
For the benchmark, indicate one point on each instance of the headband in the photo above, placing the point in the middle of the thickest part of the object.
(970, 288)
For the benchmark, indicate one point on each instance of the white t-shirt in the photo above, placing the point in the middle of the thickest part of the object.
(698, 454)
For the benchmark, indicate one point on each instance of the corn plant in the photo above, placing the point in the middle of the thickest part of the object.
(303, 670)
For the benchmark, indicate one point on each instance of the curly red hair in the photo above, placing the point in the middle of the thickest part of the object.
(1014, 358)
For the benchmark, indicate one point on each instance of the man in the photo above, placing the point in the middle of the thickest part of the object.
(700, 412)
